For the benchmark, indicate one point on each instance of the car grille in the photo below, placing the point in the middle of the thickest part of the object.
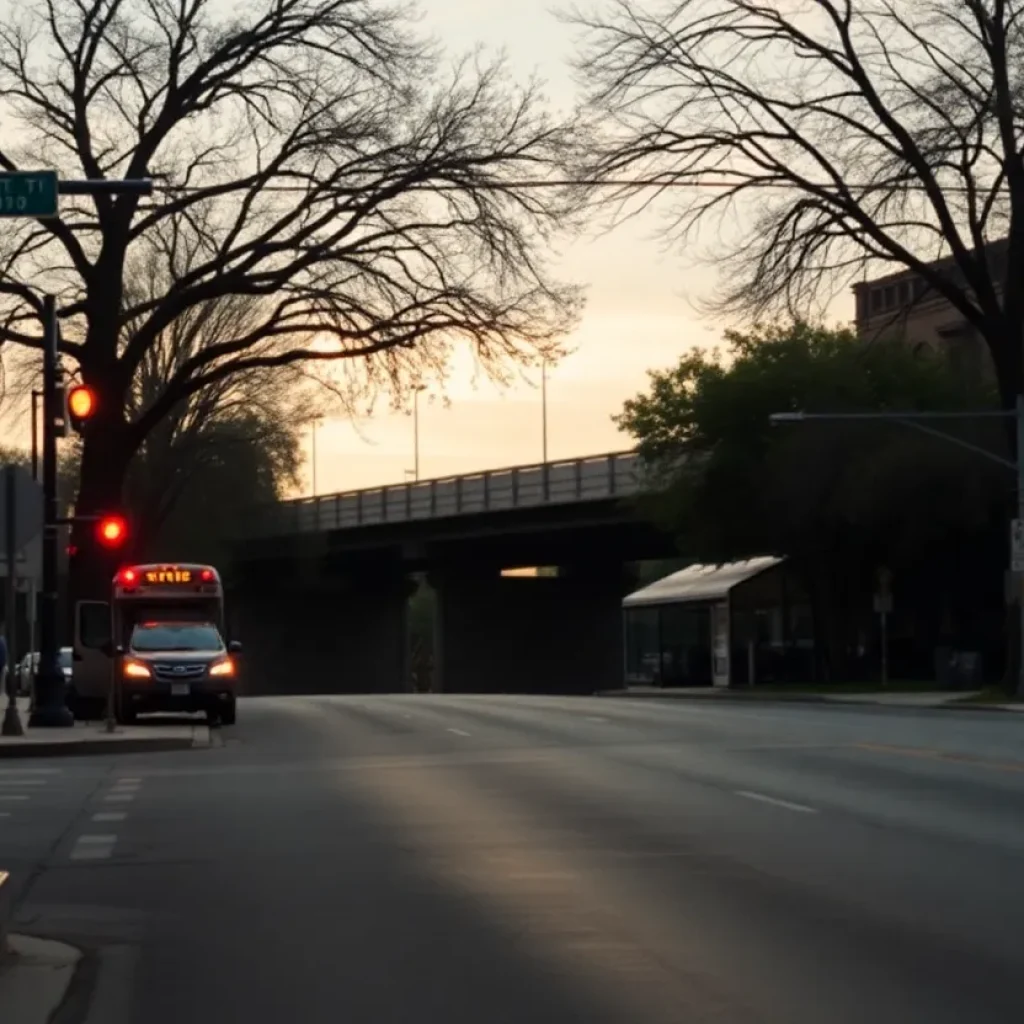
(177, 673)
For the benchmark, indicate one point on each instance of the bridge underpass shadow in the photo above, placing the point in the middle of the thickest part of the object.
(529, 634)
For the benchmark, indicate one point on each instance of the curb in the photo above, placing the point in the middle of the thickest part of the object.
(799, 698)
(84, 748)
(764, 699)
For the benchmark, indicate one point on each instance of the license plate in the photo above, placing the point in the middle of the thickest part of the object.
(179, 689)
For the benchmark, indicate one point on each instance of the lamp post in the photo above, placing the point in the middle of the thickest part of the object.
(544, 410)
(416, 430)
(914, 420)
(313, 423)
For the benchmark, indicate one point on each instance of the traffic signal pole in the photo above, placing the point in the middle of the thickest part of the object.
(50, 706)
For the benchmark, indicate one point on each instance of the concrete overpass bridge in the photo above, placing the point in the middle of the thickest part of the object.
(321, 585)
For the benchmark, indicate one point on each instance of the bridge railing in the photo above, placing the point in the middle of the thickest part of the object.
(587, 479)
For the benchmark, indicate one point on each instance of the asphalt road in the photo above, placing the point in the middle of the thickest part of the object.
(462, 860)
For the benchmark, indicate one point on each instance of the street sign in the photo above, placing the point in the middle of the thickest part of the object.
(28, 506)
(1017, 545)
(29, 194)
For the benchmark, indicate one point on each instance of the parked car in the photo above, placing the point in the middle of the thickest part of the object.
(30, 665)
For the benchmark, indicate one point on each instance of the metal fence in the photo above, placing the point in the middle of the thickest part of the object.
(556, 483)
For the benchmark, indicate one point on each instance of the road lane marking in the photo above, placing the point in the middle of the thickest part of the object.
(8, 797)
(119, 798)
(595, 718)
(5, 814)
(11, 783)
(30, 771)
(458, 732)
(128, 782)
(110, 816)
(775, 801)
(93, 847)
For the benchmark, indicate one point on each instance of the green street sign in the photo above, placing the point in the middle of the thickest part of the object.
(29, 194)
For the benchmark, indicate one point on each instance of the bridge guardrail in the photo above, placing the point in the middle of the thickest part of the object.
(565, 482)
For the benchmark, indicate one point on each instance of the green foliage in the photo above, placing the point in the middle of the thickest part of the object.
(862, 492)
(189, 497)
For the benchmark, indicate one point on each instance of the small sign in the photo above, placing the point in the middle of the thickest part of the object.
(1017, 545)
(883, 604)
(29, 194)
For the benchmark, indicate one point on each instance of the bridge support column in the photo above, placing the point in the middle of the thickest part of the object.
(521, 634)
(346, 638)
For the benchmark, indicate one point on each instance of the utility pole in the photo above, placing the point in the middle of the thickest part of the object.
(917, 421)
(49, 709)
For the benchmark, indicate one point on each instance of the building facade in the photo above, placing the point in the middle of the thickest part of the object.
(902, 306)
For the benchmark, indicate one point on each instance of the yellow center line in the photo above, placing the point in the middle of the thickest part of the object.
(939, 755)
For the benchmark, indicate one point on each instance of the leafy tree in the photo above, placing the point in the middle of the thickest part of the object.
(234, 463)
(840, 500)
(809, 143)
(312, 155)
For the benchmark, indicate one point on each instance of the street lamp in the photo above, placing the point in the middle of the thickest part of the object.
(314, 423)
(544, 409)
(913, 420)
(416, 430)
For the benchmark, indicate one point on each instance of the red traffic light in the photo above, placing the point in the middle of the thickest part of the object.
(112, 531)
(81, 401)
(81, 405)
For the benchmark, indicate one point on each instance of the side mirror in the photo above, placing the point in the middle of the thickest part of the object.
(119, 649)
(235, 647)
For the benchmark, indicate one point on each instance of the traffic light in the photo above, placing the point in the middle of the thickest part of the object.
(81, 405)
(112, 531)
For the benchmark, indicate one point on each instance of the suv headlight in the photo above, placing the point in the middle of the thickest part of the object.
(136, 670)
(224, 667)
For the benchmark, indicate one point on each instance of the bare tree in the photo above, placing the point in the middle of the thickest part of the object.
(265, 406)
(809, 138)
(320, 160)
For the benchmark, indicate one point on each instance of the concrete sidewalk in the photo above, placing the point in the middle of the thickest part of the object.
(86, 738)
(944, 699)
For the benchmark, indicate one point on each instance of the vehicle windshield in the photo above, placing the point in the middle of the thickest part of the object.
(64, 657)
(176, 636)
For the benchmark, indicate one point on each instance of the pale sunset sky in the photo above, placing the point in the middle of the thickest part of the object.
(637, 316)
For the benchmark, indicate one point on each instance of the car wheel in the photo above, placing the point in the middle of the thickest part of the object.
(228, 713)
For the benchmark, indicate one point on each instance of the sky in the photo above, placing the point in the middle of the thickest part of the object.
(637, 317)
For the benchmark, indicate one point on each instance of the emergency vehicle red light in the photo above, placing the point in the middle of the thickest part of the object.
(128, 576)
(206, 575)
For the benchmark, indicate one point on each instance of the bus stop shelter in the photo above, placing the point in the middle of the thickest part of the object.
(716, 625)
